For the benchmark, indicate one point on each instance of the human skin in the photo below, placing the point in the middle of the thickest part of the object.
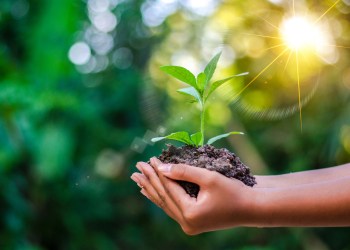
(317, 198)
(304, 177)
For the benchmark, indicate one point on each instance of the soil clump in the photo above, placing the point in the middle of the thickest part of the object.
(211, 158)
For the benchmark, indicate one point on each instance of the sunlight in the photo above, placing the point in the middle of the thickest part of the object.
(299, 33)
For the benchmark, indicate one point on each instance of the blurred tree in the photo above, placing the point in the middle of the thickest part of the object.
(65, 137)
(81, 94)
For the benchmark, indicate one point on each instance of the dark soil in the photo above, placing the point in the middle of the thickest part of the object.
(211, 158)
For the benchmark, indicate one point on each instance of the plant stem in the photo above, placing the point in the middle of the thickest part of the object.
(202, 122)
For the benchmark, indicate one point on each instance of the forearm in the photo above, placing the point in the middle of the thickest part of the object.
(304, 177)
(318, 204)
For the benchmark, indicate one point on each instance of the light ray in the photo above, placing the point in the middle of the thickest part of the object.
(300, 57)
(293, 7)
(329, 9)
(259, 74)
(337, 46)
(276, 46)
(299, 94)
(274, 113)
(273, 37)
(289, 56)
(270, 23)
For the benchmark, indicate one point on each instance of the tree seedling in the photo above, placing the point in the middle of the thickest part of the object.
(200, 90)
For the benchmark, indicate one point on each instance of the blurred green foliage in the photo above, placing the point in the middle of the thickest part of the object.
(71, 134)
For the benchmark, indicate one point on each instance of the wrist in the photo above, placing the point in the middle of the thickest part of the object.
(257, 207)
(252, 205)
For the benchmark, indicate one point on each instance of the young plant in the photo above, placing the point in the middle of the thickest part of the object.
(200, 89)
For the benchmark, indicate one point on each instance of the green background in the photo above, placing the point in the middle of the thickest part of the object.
(70, 135)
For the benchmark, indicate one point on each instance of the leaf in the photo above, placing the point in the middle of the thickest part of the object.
(181, 74)
(211, 67)
(201, 80)
(190, 91)
(218, 137)
(197, 138)
(218, 83)
(157, 139)
(181, 136)
(242, 74)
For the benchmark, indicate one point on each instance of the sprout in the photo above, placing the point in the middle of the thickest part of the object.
(200, 89)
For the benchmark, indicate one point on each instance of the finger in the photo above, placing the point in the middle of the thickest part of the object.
(148, 196)
(172, 188)
(144, 183)
(182, 172)
(148, 191)
(144, 192)
(139, 167)
(159, 194)
(149, 172)
(156, 185)
(154, 181)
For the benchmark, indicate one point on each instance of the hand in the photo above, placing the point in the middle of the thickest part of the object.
(221, 202)
(318, 198)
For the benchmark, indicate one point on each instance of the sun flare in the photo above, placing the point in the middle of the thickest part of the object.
(301, 38)
(299, 33)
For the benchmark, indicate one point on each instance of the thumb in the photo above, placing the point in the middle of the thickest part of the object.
(182, 172)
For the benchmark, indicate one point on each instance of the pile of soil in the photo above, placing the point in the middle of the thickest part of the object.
(211, 158)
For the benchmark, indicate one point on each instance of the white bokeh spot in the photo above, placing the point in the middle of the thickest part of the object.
(79, 53)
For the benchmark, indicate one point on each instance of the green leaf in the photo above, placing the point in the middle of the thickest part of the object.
(157, 139)
(218, 83)
(211, 67)
(181, 74)
(201, 80)
(197, 138)
(181, 136)
(218, 137)
(190, 91)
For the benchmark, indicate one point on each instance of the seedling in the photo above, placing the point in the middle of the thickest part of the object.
(200, 90)
(198, 154)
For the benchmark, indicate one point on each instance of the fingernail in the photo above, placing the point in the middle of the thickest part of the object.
(135, 179)
(155, 159)
(139, 166)
(164, 168)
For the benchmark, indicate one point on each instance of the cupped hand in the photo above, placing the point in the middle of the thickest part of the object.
(221, 202)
